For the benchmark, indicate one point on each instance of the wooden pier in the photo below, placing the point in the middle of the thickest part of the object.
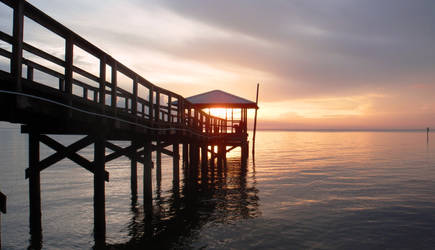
(102, 110)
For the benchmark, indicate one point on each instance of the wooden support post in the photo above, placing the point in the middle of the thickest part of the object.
(245, 151)
(69, 55)
(29, 73)
(157, 107)
(212, 158)
(195, 119)
(219, 156)
(181, 112)
(204, 163)
(2, 210)
(134, 98)
(99, 191)
(85, 93)
(212, 164)
(133, 177)
(34, 191)
(193, 166)
(150, 103)
(170, 119)
(158, 162)
(114, 86)
(17, 46)
(189, 117)
(222, 155)
(147, 180)
(185, 155)
(176, 164)
(102, 83)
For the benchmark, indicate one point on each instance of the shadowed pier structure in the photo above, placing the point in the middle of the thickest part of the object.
(103, 107)
(232, 126)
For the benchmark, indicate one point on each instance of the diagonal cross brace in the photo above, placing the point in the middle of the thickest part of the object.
(69, 152)
(118, 151)
(160, 147)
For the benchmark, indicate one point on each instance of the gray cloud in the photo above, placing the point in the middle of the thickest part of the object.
(310, 47)
(328, 45)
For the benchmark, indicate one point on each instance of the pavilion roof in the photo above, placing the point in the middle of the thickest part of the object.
(220, 99)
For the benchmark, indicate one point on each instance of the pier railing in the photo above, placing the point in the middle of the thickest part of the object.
(142, 102)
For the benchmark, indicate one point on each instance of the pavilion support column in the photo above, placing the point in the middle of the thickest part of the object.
(34, 191)
(147, 180)
(99, 191)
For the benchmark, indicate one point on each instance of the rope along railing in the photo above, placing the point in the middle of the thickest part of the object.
(144, 103)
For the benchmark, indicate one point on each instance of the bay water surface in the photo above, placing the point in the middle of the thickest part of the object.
(306, 190)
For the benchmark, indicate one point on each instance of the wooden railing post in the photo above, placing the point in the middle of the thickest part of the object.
(134, 98)
(68, 67)
(102, 87)
(181, 111)
(202, 122)
(17, 46)
(195, 119)
(170, 119)
(114, 86)
(99, 191)
(207, 126)
(29, 73)
(157, 107)
(150, 103)
(189, 117)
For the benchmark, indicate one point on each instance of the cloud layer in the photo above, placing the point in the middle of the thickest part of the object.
(309, 55)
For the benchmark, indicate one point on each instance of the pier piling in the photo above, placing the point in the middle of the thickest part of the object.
(99, 191)
(176, 164)
(133, 172)
(158, 161)
(34, 191)
(185, 155)
(147, 180)
(2, 210)
(204, 163)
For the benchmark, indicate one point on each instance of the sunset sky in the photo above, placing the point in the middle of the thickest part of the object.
(322, 64)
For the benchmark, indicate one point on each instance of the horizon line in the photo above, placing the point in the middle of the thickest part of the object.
(343, 130)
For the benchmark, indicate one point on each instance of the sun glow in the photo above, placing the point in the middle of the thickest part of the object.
(220, 112)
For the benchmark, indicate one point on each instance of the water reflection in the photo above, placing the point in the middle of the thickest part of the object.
(219, 195)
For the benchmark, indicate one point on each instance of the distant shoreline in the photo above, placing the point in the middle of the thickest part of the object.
(343, 130)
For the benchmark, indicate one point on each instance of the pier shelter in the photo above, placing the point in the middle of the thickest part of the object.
(232, 111)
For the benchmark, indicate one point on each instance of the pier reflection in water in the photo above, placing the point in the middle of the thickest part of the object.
(224, 195)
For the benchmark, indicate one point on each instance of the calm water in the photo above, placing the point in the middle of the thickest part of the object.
(307, 190)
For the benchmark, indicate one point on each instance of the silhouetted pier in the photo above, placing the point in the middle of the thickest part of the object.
(100, 108)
